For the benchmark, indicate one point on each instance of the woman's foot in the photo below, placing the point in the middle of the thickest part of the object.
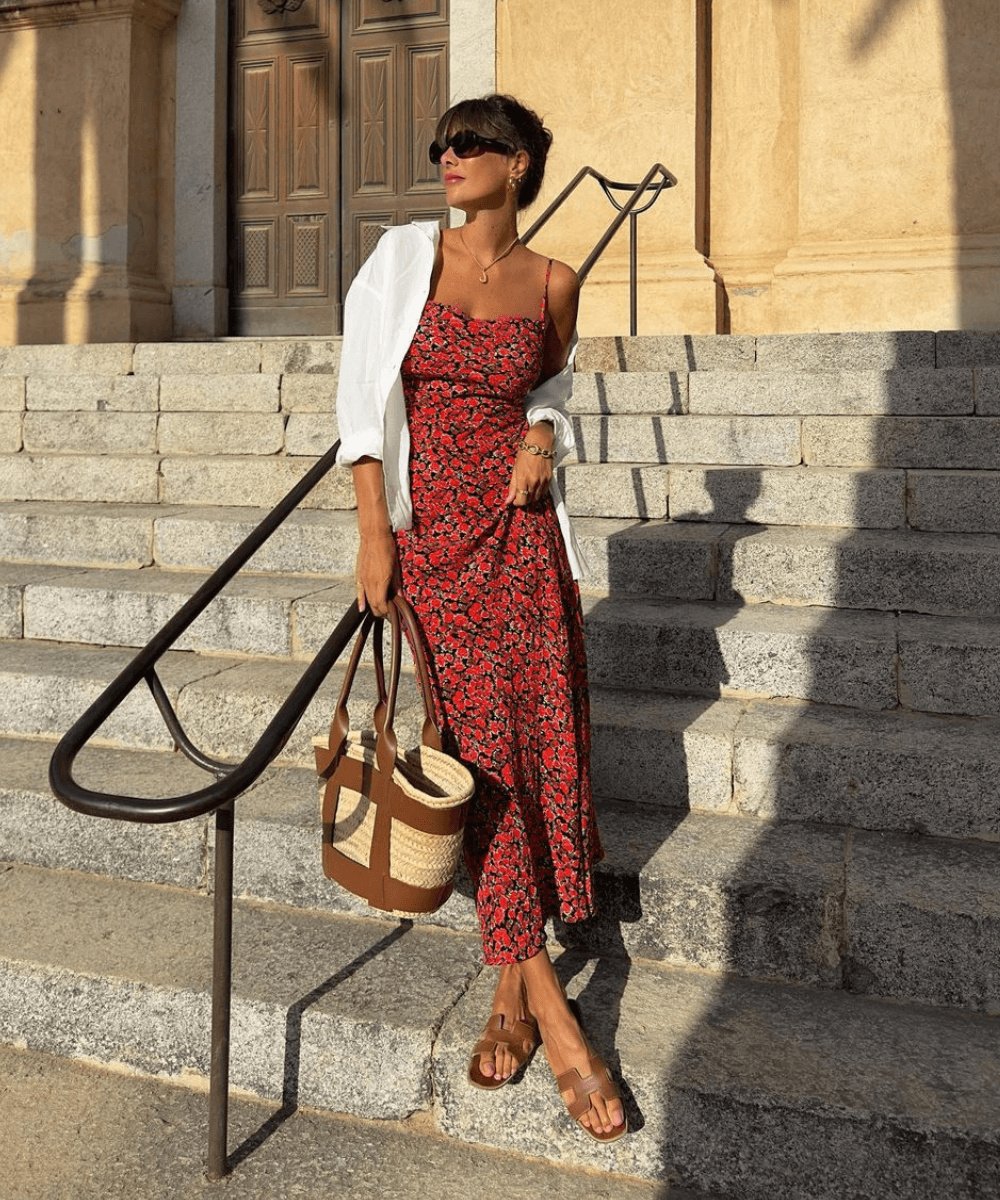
(497, 1058)
(567, 1050)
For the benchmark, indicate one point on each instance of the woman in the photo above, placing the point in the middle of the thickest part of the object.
(457, 360)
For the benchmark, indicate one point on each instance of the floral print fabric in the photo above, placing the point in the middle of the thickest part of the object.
(500, 614)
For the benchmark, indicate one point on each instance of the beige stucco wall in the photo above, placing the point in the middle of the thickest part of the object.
(847, 171)
(86, 154)
(616, 85)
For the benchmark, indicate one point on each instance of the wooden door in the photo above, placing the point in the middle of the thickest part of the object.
(284, 167)
(395, 73)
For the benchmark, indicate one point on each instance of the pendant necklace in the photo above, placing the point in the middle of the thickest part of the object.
(483, 278)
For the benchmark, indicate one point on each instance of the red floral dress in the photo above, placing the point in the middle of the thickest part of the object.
(500, 614)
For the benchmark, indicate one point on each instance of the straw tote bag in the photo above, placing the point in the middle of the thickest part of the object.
(392, 823)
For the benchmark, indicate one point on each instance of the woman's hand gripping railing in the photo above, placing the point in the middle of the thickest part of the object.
(654, 181)
(231, 779)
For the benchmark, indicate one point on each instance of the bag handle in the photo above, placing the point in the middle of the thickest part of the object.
(399, 609)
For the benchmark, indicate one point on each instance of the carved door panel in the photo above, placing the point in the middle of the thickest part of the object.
(284, 164)
(395, 87)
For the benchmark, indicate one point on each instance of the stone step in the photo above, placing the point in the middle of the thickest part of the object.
(327, 1005)
(272, 613)
(831, 655)
(876, 913)
(249, 481)
(764, 650)
(145, 1138)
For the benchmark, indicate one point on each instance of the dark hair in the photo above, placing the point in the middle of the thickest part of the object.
(506, 120)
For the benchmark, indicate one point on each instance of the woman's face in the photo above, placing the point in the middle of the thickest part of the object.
(480, 178)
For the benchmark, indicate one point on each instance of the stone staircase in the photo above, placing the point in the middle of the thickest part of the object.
(794, 647)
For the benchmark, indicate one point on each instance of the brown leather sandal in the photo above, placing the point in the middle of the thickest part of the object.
(521, 1040)
(583, 1087)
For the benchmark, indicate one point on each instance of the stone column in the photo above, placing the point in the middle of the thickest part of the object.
(86, 120)
(200, 292)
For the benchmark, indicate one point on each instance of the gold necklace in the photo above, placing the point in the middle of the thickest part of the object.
(483, 278)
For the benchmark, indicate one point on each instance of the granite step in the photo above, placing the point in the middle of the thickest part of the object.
(145, 1138)
(327, 1005)
(876, 913)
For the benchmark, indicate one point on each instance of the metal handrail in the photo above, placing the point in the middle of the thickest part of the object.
(231, 779)
(628, 208)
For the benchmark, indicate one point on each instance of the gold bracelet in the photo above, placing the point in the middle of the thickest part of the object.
(534, 448)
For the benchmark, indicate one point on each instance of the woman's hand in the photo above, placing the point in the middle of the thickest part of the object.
(377, 574)
(529, 481)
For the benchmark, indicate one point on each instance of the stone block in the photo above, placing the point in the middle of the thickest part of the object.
(614, 489)
(922, 921)
(44, 687)
(93, 393)
(10, 610)
(671, 751)
(720, 894)
(922, 391)
(635, 439)
(11, 393)
(949, 665)
(78, 477)
(255, 482)
(788, 496)
(310, 433)
(89, 358)
(85, 534)
(308, 356)
(987, 391)
(964, 442)
(36, 829)
(310, 541)
(905, 571)
(248, 393)
(830, 1095)
(764, 650)
(252, 615)
(197, 358)
(10, 432)
(899, 770)
(968, 348)
(670, 352)
(308, 394)
(89, 433)
(231, 709)
(635, 558)
(629, 392)
(870, 351)
(959, 501)
(91, 987)
(220, 433)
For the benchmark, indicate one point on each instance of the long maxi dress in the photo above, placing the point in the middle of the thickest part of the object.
(501, 620)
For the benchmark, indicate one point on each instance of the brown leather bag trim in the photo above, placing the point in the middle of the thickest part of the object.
(381, 892)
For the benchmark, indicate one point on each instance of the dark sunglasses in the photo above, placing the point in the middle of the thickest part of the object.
(466, 144)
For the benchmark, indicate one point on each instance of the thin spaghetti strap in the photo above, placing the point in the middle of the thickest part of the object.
(545, 294)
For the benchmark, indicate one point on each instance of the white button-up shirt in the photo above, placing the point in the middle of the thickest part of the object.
(381, 314)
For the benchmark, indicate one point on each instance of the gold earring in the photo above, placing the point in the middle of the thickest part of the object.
(513, 182)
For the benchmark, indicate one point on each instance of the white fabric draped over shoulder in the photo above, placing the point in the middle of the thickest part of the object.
(381, 314)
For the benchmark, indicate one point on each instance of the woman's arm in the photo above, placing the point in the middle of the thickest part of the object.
(377, 570)
(532, 473)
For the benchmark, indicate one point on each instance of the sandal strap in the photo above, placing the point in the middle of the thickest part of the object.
(520, 1039)
(583, 1086)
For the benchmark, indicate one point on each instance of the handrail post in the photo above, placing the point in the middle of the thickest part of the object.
(633, 272)
(222, 983)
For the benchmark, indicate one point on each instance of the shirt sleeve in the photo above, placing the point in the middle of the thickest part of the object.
(547, 402)
(360, 405)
